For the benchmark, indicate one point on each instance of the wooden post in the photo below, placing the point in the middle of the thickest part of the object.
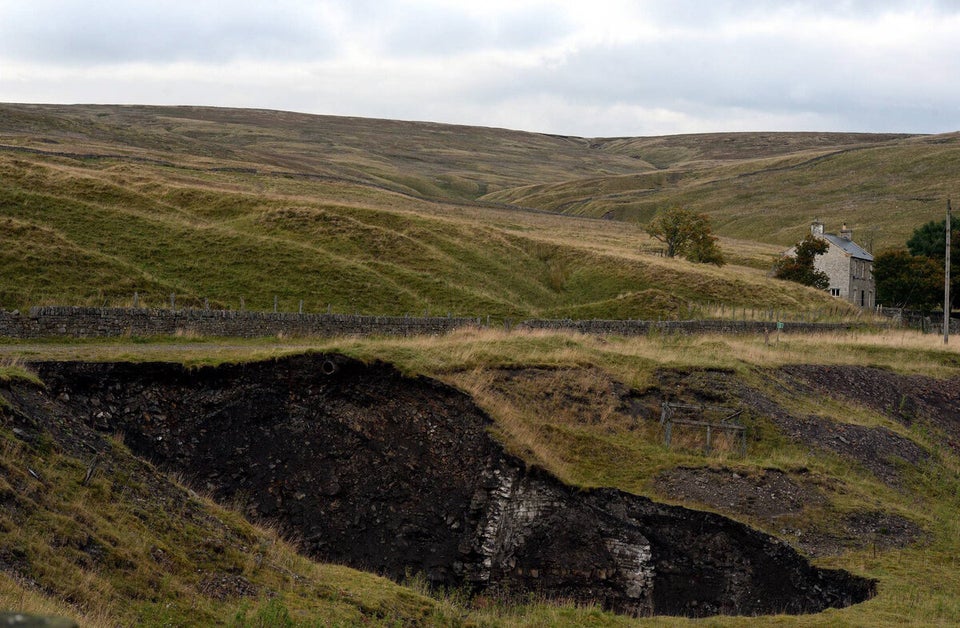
(136, 299)
(275, 299)
(173, 302)
(946, 283)
(301, 306)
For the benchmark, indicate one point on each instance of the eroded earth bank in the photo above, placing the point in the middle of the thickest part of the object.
(399, 475)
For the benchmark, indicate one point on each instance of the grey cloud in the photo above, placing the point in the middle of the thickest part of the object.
(781, 74)
(707, 72)
(74, 33)
(429, 30)
(697, 13)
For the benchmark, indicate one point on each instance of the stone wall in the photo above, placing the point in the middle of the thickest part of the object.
(637, 327)
(89, 322)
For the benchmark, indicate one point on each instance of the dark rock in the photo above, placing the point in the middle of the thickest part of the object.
(24, 620)
(403, 477)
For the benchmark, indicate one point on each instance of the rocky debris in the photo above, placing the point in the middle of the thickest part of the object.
(399, 475)
(778, 501)
(878, 449)
(25, 620)
(904, 398)
(696, 552)
(862, 530)
(222, 586)
(767, 495)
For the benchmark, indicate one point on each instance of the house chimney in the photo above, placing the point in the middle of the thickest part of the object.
(816, 228)
(846, 234)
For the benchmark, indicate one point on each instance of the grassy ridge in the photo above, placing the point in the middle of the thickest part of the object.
(418, 157)
(758, 186)
(99, 202)
(96, 231)
(883, 191)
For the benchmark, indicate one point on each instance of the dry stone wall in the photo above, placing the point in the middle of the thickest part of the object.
(638, 327)
(90, 322)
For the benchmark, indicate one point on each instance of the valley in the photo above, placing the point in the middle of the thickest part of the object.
(467, 475)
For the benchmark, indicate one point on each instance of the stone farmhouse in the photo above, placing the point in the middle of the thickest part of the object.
(849, 267)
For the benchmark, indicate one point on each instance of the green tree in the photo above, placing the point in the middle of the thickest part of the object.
(799, 267)
(911, 281)
(687, 235)
(929, 241)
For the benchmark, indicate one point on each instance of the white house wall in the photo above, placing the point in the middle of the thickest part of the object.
(852, 276)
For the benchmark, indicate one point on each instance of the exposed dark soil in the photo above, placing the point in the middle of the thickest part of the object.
(795, 505)
(48, 423)
(876, 530)
(222, 586)
(904, 398)
(880, 450)
(778, 501)
(394, 475)
(769, 495)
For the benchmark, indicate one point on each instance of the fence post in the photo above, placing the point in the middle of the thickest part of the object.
(136, 300)
(173, 302)
(275, 298)
(242, 304)
(301, 307)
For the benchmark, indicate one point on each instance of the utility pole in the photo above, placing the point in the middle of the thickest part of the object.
(946, 283)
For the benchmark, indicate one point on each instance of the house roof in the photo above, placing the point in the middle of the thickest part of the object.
(848, 246)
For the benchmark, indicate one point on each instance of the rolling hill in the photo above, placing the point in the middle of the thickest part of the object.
(232, 207)
(852, 438)
(755, 187)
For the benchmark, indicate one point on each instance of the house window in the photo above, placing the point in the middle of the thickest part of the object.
(835, 292)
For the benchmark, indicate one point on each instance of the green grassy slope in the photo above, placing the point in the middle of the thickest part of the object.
(882, 190)
(94, 231)
(765, 186)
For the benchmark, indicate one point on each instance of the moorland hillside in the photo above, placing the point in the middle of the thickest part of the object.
(227, 207)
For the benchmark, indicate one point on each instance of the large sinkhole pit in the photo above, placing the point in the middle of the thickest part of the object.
(399, 475)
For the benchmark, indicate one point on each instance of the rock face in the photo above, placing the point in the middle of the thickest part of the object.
(399, 475)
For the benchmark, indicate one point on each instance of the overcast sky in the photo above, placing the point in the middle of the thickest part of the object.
(577, 67)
